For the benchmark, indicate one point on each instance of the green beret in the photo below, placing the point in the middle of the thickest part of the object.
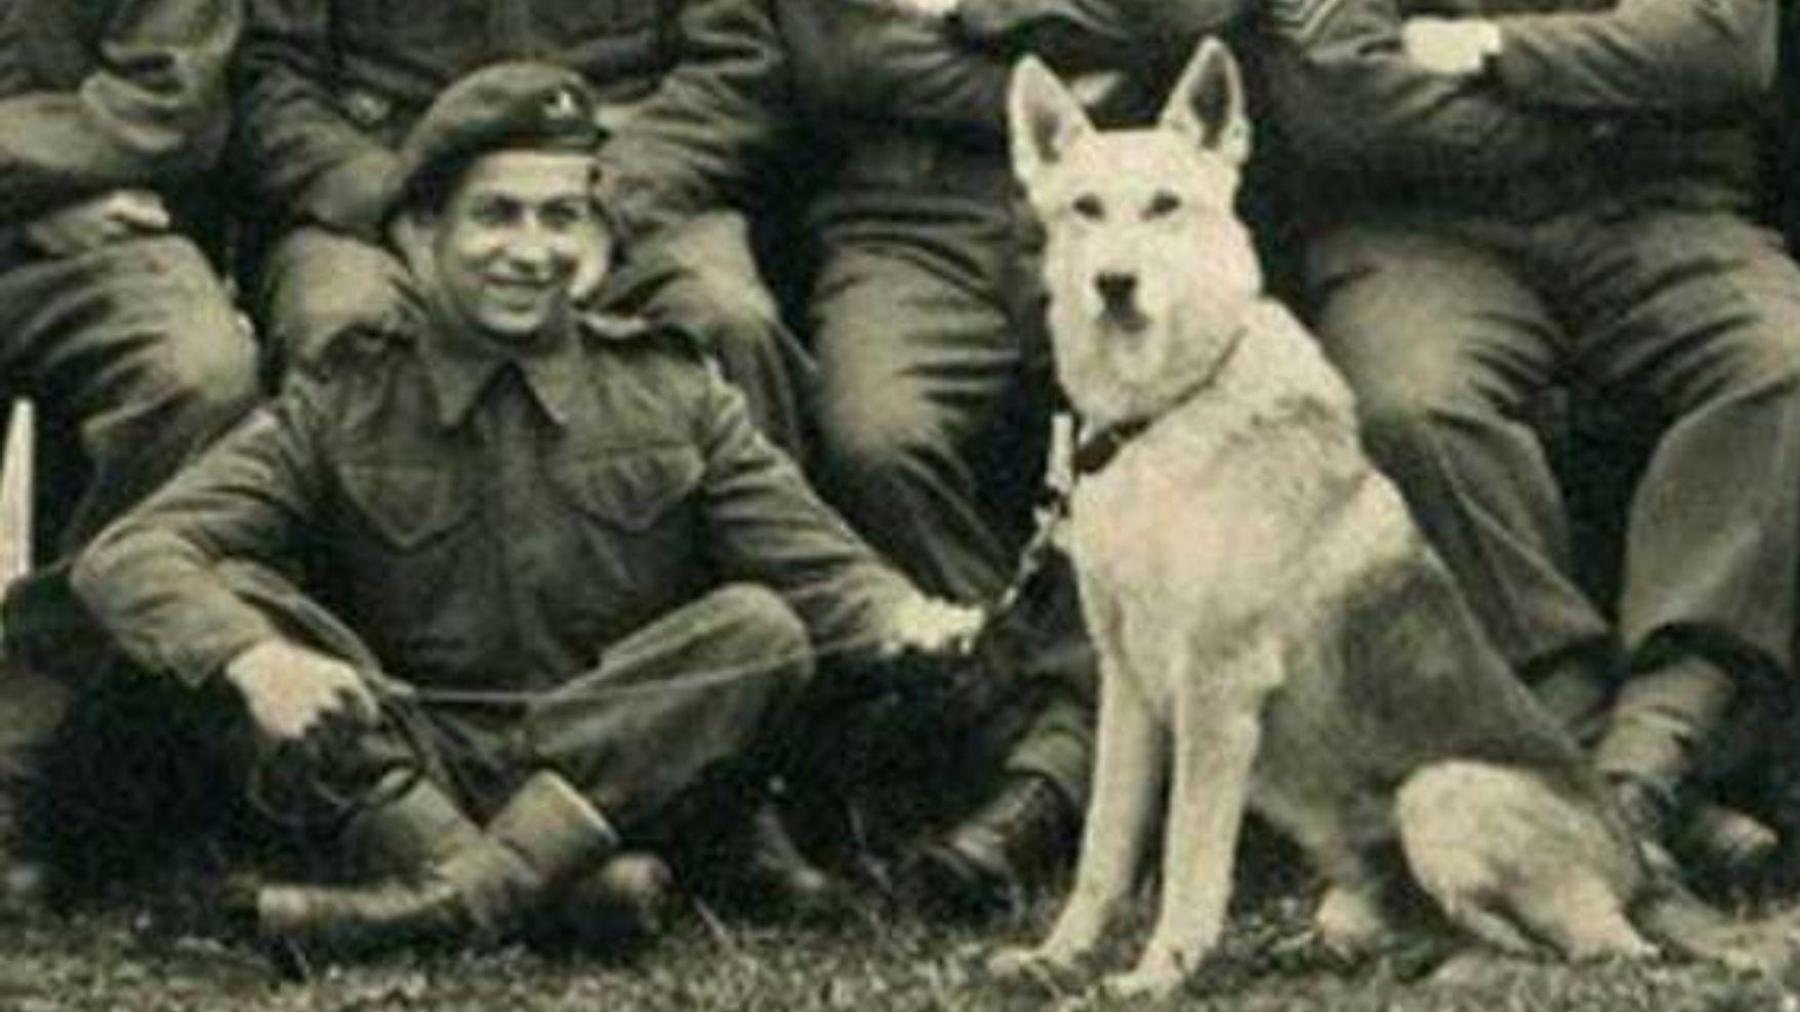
(507, 106)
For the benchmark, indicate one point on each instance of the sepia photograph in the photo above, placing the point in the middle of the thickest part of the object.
(899, 505)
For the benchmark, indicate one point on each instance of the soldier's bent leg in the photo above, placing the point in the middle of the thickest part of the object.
(1446, 348)
(1701, 311)
(138, 342)
(317, 284)
(137, 345)
(934, 426)
(703, 692)
(703, 276)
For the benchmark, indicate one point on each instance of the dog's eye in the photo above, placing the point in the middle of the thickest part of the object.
(1088, 206)
(1162, 204)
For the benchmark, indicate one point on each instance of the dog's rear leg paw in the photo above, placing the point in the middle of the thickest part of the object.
(1351, 924)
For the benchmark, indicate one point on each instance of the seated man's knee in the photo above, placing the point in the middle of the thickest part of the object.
(768, 627)
(874, 445)
(318, 284)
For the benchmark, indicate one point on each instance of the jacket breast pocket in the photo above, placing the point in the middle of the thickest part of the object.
(407, 506)
(632, 492)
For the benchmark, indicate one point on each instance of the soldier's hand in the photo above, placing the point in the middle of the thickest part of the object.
(927, 626)
(98, 221)
(290, 690)
(1458, 47)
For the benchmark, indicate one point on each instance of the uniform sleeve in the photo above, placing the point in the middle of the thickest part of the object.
(1643, 55)
(306, 156)
(153, 578)
(767, 526)
(154, 109)
(705, 134)
(1347, 96)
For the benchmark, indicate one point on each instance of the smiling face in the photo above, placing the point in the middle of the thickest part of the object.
(518, 233)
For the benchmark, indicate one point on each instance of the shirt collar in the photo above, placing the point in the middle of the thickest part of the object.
(461, 366)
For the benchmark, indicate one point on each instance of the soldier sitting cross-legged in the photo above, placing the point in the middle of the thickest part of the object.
(575, 584)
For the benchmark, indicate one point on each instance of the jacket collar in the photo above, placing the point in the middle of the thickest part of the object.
(461, 365)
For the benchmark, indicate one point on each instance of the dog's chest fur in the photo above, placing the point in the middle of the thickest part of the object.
(1226, 520)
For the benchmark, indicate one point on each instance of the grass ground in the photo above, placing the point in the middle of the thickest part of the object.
(142, 956)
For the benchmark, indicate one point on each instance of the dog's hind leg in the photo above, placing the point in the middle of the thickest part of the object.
(1502, 851)
(1218, 728)
(1130, 767)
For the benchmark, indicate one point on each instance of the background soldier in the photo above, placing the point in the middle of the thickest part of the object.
(1508, 199)
(110, 316)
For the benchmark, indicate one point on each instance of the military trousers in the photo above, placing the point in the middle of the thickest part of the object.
(934, 404)
(135, 347)
(698, 700)
(1448, 326)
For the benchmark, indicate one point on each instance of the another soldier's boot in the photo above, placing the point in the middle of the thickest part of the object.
(1014, 844)
(477, 885)
(1660, 722)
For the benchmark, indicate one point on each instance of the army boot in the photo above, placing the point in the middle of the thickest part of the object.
(474, 885)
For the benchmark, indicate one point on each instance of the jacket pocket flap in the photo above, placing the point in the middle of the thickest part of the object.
(407, 504)
(631, 490)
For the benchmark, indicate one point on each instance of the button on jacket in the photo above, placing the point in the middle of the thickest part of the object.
(484, 520)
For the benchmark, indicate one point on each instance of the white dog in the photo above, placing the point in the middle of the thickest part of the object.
(1274, 631)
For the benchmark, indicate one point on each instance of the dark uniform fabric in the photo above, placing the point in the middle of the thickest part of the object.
(132, 342)
(129, 345)
(586, 559)
(327, 90)
(1581, 209)
(933, 393)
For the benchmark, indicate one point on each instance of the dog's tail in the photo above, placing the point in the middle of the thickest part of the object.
(1682, 923)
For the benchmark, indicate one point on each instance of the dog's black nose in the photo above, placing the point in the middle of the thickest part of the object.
(1116, 287)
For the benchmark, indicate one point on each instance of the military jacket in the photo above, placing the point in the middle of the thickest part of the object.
(485, 521)
(1584, 101)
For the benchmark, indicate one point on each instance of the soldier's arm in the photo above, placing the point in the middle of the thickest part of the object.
(1642, 55)
(955, 73)
(153, 110)
(153, 578)
(1350, 100)
(766, 525)
(306, 155)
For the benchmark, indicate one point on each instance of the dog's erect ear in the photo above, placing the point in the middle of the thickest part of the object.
(1044, 118)
(1208, 103)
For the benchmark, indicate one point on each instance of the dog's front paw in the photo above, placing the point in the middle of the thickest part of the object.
(1143, 984)
(1045, 967)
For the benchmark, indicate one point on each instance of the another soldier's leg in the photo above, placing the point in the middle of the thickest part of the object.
(1702, 312)
(137, 341)
(703, 276)
(933, 426)
(315, 285)
(138, 347)
(1446, 347)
